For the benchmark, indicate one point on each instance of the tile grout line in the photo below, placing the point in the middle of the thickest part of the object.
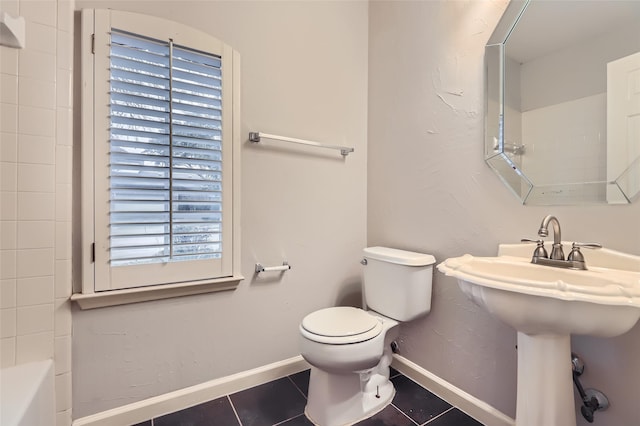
(296, 386)
(234, 410)
(284, 421)
(439, 415)
(404, 414)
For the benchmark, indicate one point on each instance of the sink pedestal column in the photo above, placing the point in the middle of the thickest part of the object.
(545, 382)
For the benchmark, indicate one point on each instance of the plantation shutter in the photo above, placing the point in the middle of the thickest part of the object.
(165, 152)
(163, 103)
(160, 159)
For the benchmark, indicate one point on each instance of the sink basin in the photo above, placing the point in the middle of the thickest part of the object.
(546, 305)
(537, 299)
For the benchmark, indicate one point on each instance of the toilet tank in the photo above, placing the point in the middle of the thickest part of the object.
(397, 283)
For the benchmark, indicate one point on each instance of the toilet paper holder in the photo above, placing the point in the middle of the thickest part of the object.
(284, 267)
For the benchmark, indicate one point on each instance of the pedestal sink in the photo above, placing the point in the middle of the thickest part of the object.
(546, 305)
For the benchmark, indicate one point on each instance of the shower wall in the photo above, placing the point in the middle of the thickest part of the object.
(35, 192)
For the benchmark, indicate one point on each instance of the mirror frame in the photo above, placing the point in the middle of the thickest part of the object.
(497, 152)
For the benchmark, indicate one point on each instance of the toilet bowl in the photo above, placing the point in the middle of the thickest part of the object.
(349, 349)
(350, 356)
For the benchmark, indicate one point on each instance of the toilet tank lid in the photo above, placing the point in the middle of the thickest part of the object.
(400, 257)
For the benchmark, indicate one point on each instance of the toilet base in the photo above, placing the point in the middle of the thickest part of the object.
(345, 399)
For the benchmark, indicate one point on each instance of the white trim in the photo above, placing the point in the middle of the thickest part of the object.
(183, 398)
(95, 272)
(479, 410)
(144, 294)
(236, 163)
(86, 162)
(174, 401)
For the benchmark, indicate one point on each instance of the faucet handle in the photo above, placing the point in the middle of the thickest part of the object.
(540, 251)
(586, 245)
(529, 240)
(576, 254)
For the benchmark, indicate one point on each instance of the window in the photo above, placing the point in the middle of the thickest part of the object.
(160, 154)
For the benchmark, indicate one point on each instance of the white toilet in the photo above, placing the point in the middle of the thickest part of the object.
(349, 349)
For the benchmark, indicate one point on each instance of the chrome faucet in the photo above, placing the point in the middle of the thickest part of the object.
(556, 249)
(575, 260)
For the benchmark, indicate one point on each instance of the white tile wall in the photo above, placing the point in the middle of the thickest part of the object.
(8, 60)
(8, 232)
(8, 177)
(63, 391)
(10, 6)
(36, 177)
(62, 280)
(9, 88)
(37, 121)
(9, 117)
(62, 209)
(63, 417)
(64, 118)
(62, 317)
(7, 293)
(7, 352)
(62, 354)
(34, 347)
(7, 322)
(65, 16)
(35, 234)
(7, 264)
(34, 291)
(36, 205)
(42, 38)
(8, 146)
(35, 192)
(34, 319)
(37, 65)
(35, 262)
(36, 92)
(36, 149)
(40, 11)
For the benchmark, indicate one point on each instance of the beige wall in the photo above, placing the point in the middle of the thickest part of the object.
(304, 74)
(429, 190)
(35, 193)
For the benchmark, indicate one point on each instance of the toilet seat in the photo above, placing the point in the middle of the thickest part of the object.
(340, 326)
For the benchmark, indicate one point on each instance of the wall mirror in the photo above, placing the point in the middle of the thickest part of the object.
(562, 95)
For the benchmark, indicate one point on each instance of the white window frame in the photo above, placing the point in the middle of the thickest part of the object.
(103, 285)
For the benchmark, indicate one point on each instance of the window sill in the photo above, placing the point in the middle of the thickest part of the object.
(145, 294)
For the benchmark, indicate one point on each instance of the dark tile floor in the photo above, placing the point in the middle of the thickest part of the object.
(281, 402)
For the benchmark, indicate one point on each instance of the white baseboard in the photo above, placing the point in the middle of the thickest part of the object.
(174, 401)
(183, 398)
(479, 410)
